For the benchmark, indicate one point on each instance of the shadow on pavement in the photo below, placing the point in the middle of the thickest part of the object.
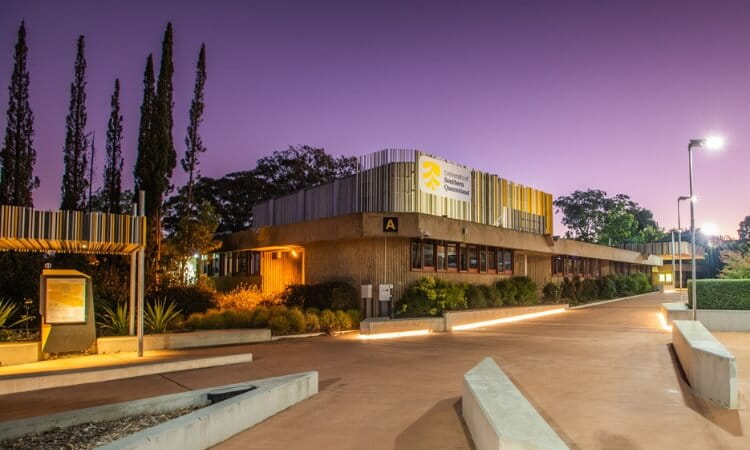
(440, 427)
(726, 419)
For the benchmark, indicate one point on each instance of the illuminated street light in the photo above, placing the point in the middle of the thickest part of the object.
(712, 143)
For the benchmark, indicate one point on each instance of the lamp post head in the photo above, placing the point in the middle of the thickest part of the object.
(687, 197)
(709, 143)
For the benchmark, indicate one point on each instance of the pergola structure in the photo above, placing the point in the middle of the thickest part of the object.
(28, 230)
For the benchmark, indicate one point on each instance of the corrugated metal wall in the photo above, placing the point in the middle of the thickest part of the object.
(386, 183)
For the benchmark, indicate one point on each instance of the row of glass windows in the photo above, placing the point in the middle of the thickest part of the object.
(231, 264)
(587, 267)
(431, 255)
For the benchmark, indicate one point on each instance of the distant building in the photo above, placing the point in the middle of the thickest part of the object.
(403, 216)
(668, 274)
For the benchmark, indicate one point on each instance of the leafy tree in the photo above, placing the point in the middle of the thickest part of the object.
(194, 234)
(736, 264)
(592, 216)
(744, 230)
(193, 139)
(17, 156)
(112, 190)
(300, 167)
(74, 181)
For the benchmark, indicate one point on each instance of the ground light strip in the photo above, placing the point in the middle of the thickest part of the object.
(396, 334)
(664, 323)
(486, 323)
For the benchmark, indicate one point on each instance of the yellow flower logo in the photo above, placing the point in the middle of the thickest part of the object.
(431, 172)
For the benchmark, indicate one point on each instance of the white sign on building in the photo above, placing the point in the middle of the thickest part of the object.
(442, 178)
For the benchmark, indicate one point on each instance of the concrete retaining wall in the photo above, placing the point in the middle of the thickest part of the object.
(19, 353)
(213, 424)
(710, 368)
(449, 319)
(284, 390)
(499, 416)
(22, 383)
(456, 318)
(712, 319)
(173, 341)
(385, 325)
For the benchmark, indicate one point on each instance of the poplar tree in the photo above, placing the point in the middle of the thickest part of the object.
(157, 157)
(74, 182)
(113, 166)
(17, 156)
(193, 140)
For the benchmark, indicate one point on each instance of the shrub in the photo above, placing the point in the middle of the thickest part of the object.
(331, 295)
(721, 293)
(476, 296)
(260, 317)
(214, 319)
(188, 299)
(245, 297)
(551, 292)
(160, 316)
(279, 324)
(296, 320)
(607, 287)
(8, 309)
(115, 322)
(343, 321)
(312, 320)
(327, 321)
(430, 297)
(589, 290)
(506, 291)
(237, 318)
(568, 290)
(355, 316)
(642, 283)
(525, 290)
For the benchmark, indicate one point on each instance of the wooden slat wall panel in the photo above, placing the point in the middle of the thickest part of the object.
(26, 229)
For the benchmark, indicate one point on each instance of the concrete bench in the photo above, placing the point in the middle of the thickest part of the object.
(710, 368)
(675, 311)
(499, 416)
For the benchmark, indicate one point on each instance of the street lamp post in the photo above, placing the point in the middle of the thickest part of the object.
(679, 235)
(711, 143)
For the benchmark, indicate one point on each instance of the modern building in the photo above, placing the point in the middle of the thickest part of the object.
(669, 273)
(405, 215)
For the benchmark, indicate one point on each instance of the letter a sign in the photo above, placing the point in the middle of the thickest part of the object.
(390, 224)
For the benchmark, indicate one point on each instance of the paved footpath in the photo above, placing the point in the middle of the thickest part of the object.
(604, 377)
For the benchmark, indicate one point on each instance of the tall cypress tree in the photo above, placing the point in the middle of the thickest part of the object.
(193, 139)
(113, 166)
(17, 156)
(74, 176)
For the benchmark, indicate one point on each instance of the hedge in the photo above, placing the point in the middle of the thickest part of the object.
(721, 294)
(331, 295)
(577, 290)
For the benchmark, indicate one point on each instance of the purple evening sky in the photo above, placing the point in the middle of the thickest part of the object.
(557, 95)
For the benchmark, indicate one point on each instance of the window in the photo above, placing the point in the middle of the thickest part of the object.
(491, 260)
(568, 266)
(473, 259)
(440, 255)
(507, 261)
(416, 255)
(464, 256)
(428, 253)
(557, 265)
(452, 256)
(483, 259)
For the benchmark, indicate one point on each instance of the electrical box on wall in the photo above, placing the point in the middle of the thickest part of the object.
(384, 292)
(366, 291)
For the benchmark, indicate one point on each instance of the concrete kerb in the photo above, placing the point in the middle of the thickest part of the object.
(31, 382)
(604, 302)
(302, 385)
(712, 319)
(499, 416)
(711, 369)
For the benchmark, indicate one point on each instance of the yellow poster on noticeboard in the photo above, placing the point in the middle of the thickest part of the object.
(65, 300)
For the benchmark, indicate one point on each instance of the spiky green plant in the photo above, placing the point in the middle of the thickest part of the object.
(115, 321)
(159, 317)
(7, 310)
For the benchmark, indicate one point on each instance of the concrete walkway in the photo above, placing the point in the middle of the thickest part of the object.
(603, 377)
